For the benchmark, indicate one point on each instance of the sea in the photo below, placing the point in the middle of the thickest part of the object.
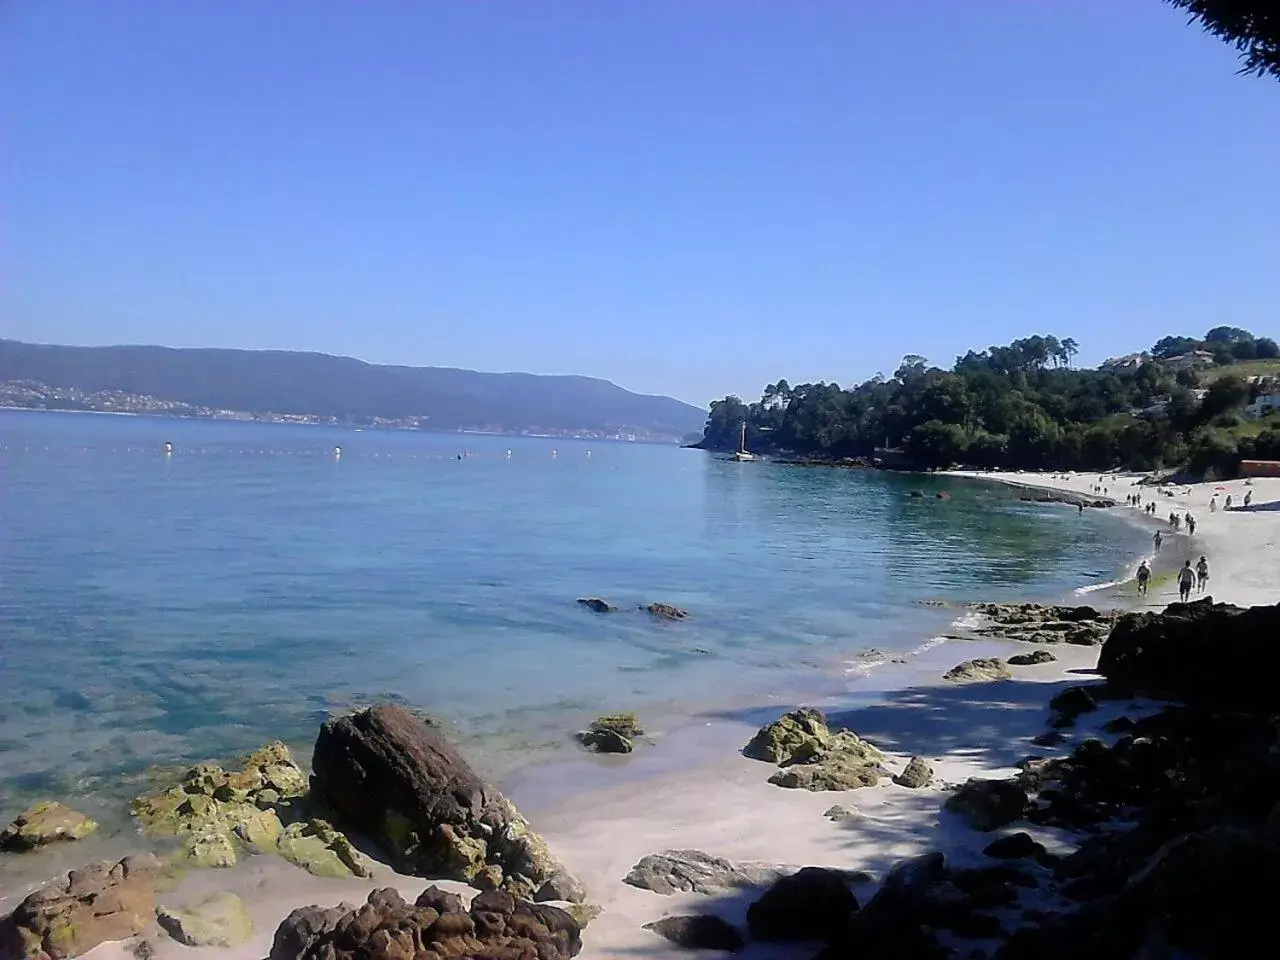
(158, 608)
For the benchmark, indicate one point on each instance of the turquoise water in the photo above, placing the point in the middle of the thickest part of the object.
(162, 609)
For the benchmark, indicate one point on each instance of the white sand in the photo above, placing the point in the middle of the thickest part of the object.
(727, 808)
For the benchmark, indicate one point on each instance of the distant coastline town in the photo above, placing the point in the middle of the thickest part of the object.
(36, 396)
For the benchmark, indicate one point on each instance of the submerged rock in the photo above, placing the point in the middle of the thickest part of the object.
(102, 902)
(386, 926)
(219, 921)
(665, 611)
(402, 784)
(623, 724)
(596, 605)
(692, 871)
(701, 932)
(988, 804)
(916, 774)
(983, 668)
(604, 741)
(1031, 659)
(45, 823)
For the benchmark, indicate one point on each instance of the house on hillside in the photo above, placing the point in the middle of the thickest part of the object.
(1130, 361)
(1265, 404)
(1185, 361)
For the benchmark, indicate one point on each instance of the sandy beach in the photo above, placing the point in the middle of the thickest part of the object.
(657, 801)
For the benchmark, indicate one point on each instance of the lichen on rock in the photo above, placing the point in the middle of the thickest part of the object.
(44, 823)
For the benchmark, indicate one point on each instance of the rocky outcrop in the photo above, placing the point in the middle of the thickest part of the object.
(700, 932)
(99, 903)
(1016, 846)
(983, 668)
(1201, 653)
(497, 927)
(596, 605)
(916, 774)
(42, 824)
(1073, 701)
(612, 733)
(812, 904)
(813, 757)
(1038, 623)
(396, 780)
(218, 921)
(1031, 659)
(988, 804)
(665, 611)
(219, 814)
(692, 871)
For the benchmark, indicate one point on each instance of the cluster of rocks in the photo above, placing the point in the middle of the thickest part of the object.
(663, 611)
(1038, 623)
(217, 815)
(397, 781)
(612, 733)
(435, 927)
(814, 757)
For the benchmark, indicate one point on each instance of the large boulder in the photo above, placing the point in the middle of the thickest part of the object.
(498, 927)
(395, 779)
(692, 871)
(916, 774)
(99, 903)
(801, 733)
(45, 823)
(1201, 652)
(813, 904)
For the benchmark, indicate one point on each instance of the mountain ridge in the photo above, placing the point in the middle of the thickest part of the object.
(347, 388)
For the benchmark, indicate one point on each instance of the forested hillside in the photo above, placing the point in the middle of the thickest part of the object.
(1025, 406)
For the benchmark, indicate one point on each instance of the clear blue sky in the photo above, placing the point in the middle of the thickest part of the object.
(685, 196)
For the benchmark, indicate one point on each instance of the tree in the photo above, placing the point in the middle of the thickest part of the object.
(1252, 26)
(935, 444)
(912, 367)
(1225, 393)
(1069, 350)
(1167, 347)
(1266, 349)
(1228, 335)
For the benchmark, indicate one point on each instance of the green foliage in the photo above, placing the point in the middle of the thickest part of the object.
(1251, 26)
(1015, 406)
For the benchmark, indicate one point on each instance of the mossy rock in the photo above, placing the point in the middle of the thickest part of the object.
(219, 921)
(315, 846)
(259, 831)
(802, 733)
(848, 762)
(45, 823)
(623, 724)
(212, 849)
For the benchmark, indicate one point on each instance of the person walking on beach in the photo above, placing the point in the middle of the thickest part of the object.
(1191, 525)
(1144, 578)
(1202, 575)
(1157, 540)
(1248, 497)
(1228, 503)
(1186, 580)
(1213, 504)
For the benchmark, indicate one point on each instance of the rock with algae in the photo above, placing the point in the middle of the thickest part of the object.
(45, 823)
(219, 921)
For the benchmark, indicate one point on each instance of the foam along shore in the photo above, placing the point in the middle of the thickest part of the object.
(1241, 545)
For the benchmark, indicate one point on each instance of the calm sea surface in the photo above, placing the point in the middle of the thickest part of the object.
(162, 609)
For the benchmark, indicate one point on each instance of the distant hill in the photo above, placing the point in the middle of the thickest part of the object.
(317, 384)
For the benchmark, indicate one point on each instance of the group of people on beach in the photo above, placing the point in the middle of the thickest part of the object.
(1188, 579)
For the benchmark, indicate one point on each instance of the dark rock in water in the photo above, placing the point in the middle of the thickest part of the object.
(623, 724)
(101, 902)
(1031, 659)
(916, 774)
(596, 605)
(402, 784)
(1016, 846)
(1119, 724)
(604, 741)
(386, 926)
(988, 804)
(813, 904)
(1199, 652)
(1050, 738)
(983, 668)
(692, 871)
(665, 611)
(701, 932)
(1036, 623)
(942, 495)
(1074, 701)
(917, 494)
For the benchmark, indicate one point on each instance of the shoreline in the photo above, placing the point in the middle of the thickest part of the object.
(655, 800)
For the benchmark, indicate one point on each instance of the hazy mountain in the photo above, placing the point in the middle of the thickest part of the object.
(315, 383)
